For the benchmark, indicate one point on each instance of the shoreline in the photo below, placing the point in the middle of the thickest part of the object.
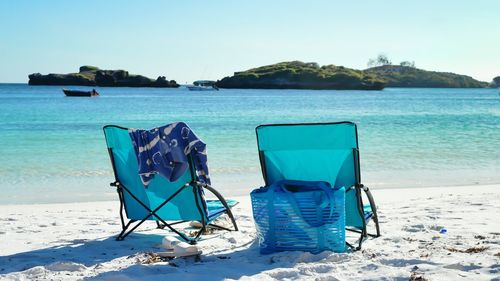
(486, 185)
(184, 85)
(69, 241)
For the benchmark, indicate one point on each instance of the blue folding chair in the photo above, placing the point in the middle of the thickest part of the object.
(167, 203)
(319, 152)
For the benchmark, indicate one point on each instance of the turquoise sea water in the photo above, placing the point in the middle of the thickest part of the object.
(52, 147)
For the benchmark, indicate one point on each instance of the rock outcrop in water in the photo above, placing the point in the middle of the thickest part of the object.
(93, 76)
(411, 77)
(496, 82)
(300, 75)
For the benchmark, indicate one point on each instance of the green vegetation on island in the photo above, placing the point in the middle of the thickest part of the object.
(300, 75)
(411, 77)
(381, 73)
(407, 75)
(93, 76)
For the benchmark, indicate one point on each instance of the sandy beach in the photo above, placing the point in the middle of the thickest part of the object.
(76, 241)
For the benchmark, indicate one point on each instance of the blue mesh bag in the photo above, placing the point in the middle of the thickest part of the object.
(299, 216)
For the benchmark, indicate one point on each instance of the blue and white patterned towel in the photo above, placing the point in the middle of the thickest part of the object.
(165, 150)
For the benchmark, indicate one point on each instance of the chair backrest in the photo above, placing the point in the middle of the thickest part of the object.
(188, 204)
(313, 152)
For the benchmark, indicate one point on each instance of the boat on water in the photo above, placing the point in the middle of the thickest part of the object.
(79, 93)
(203, 85)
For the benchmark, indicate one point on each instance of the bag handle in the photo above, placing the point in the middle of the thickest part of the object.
(324, 186)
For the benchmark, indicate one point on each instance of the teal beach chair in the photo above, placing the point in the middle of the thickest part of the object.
(319, 152)
(167, 203)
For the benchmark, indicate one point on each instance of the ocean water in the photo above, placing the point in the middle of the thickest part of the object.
(52, 147)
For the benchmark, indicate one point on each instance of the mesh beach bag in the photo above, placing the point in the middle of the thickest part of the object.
(299, 216)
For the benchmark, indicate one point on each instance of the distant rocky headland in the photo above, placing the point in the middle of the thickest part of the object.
(93, 76)
(300, 75)
(412, 77)
(496, 82)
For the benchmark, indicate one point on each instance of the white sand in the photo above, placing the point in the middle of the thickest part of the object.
(76, 241)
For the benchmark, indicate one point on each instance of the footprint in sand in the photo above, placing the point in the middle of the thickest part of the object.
(495, 269)
(66, 266)
(462, 267)
(414, 228)
(436, 227)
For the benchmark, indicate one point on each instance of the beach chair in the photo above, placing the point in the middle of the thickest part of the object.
(167, 203)
(319, 152)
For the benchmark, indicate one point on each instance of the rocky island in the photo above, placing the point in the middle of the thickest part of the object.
(496, 82)
(93, 76)
(300, 75)
(412, 77)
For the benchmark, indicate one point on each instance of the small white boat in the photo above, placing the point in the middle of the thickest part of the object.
(203, 85)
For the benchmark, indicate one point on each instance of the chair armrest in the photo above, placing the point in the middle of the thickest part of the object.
(221, 199)
(370, 198)
(214, 192)
(373, 207)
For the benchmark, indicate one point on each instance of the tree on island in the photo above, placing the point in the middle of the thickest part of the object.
(379, 61)
(407, 63)
(383, 59)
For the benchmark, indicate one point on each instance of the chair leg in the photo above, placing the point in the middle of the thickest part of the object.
(377, 227)
(219, 227)
(120, 236)
(159, 226)
(361, 239)
(198, 235)
(124, 234)
(363, 235)
(230, 214)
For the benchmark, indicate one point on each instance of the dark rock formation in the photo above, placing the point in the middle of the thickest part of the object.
(496, 82)
(300, 75)
(60, 79)
(93, 76)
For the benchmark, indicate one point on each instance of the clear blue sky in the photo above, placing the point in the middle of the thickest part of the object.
(189, 40)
